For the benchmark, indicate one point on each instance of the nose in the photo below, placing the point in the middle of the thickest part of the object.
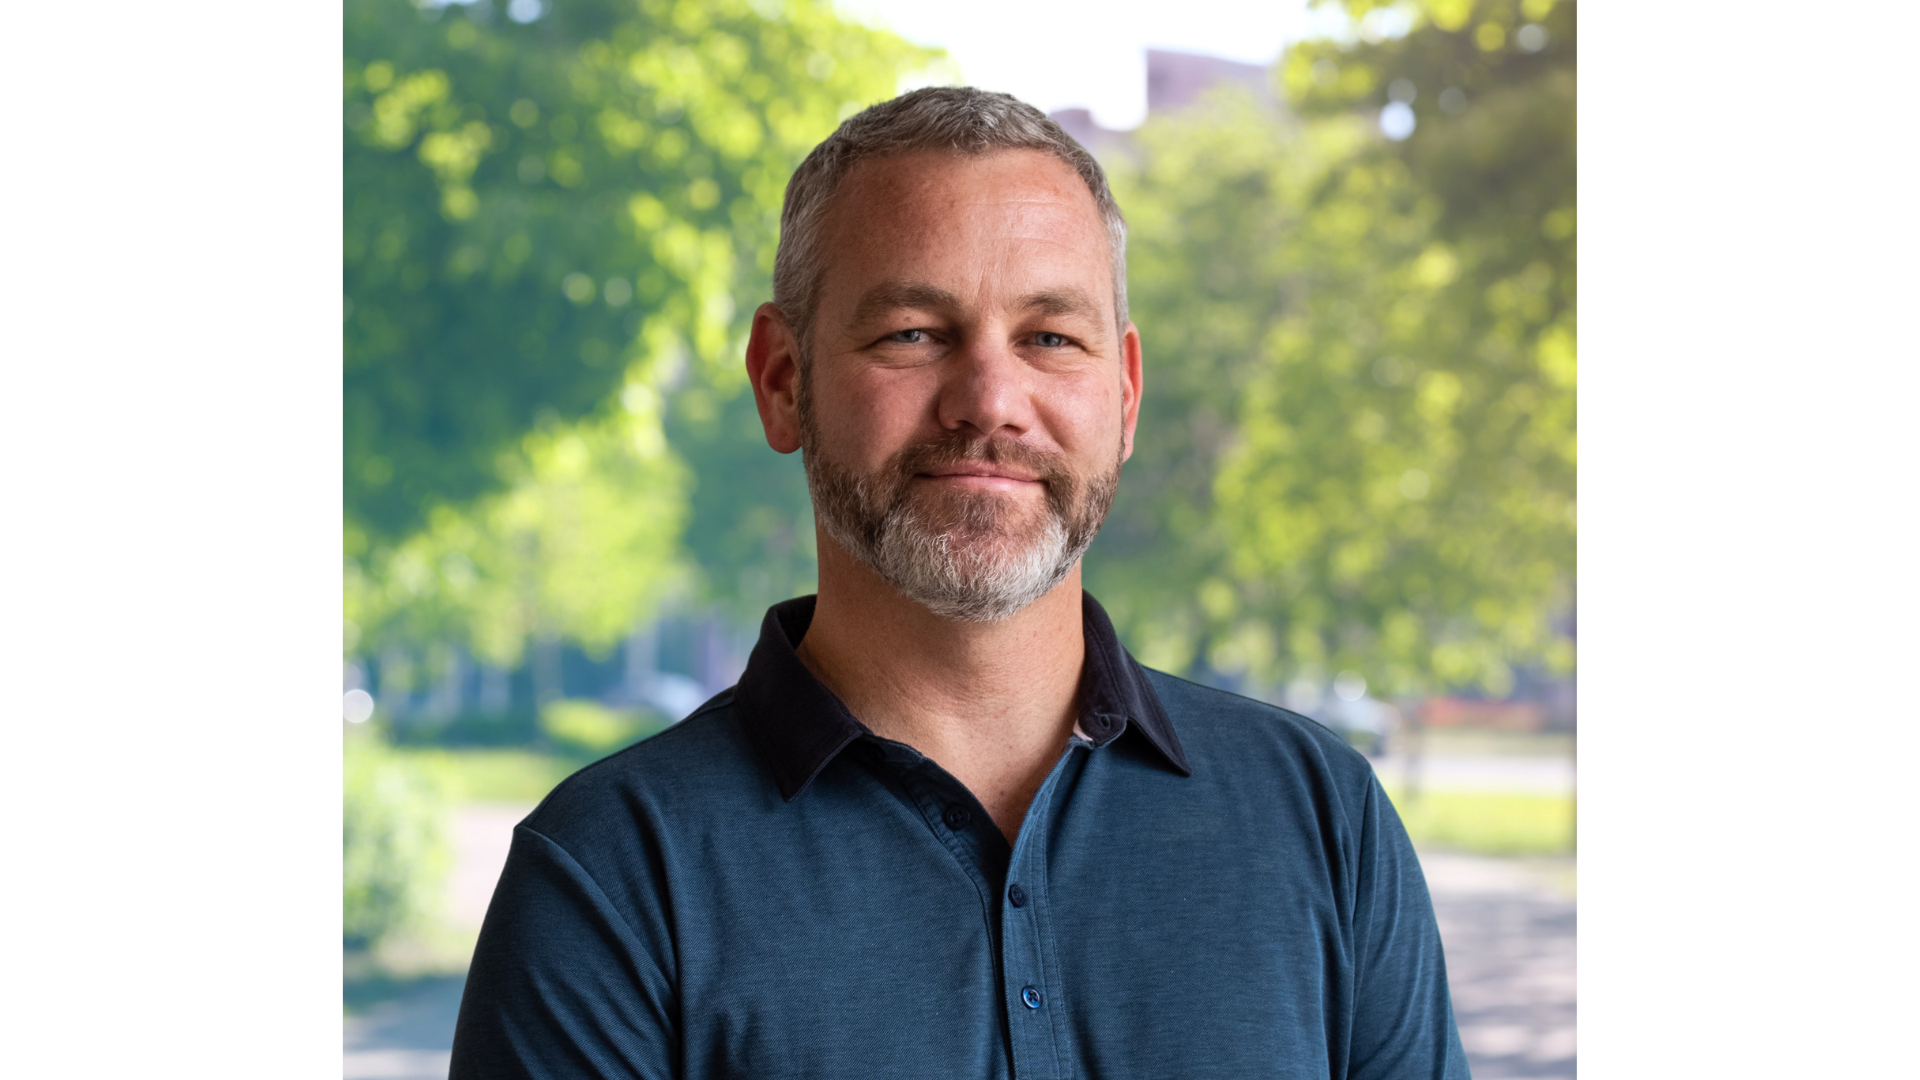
(986, 387)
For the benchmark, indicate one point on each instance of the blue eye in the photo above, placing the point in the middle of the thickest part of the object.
(1049, 340)
(908, 337)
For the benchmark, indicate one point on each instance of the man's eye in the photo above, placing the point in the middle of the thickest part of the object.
(908, 337)
(1046, 339)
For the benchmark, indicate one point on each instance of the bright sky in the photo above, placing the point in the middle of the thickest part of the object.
(1061, 53)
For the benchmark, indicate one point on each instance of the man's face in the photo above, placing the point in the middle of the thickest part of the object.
(969, 398)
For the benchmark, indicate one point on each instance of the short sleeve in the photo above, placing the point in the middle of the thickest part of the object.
(561, 985)
(1403, 1024)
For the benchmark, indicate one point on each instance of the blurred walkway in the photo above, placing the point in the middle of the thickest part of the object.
(409, 1038)
(1508, 926)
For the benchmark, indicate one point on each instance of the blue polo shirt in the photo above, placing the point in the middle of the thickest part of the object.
(1204, 886)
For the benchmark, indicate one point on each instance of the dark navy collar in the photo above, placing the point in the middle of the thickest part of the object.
(799, 725)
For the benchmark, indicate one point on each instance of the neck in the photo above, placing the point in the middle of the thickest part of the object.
(993, 703)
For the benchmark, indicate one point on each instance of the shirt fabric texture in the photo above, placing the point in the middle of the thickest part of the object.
(1204, 886)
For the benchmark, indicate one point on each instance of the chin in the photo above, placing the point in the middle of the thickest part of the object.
(989, 523)
(978, 561)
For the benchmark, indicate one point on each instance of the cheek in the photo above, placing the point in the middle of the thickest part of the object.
(870, 416)
(1086, 417)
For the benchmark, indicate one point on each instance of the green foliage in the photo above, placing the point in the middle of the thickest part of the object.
(396, 847)
(545, 217)
(1358, 443)
(583, 542)
(1357, 449)
(593, 729)
(750, 527)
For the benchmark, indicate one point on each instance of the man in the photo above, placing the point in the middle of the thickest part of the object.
(945, 826)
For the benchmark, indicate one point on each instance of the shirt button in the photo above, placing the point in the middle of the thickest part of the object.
(958, 817)
(1031, 997)
(1016, 896)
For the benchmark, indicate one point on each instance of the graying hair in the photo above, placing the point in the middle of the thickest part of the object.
(955, 119)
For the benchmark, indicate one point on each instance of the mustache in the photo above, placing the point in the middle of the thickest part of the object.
(956, 448)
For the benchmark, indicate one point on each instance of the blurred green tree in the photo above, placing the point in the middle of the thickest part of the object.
(1358, 445)
(545, 221)
(583, 540)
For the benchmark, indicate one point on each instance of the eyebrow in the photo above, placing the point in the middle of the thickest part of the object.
(1062, 302)
(894, 295)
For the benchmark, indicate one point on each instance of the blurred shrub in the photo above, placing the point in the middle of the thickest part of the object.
(397, 850)
(514, 727)
(589, 727)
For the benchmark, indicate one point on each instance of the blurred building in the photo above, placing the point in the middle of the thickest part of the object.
(1175, 81)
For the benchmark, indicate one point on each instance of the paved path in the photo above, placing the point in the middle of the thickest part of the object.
(482, 833)
(1508, 927)
(410, 1038)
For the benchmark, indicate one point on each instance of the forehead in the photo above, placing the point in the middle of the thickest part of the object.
(966, 221)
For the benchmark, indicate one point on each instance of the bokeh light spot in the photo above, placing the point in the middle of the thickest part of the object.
(1350, 685)
(356, 706)
(1397, 120)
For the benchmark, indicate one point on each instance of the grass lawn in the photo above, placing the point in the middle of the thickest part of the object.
(1479, 741)
(1488, 822)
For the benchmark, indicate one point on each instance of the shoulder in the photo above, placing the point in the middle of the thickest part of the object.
(703, 767)
(1274, 779)
(1220, 730)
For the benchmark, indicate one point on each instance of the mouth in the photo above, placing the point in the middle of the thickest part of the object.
(980, 476)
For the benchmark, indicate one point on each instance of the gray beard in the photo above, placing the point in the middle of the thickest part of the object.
(963, 556)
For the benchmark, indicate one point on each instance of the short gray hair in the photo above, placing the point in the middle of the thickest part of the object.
(955, 119)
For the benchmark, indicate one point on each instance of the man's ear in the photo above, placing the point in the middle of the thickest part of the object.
(1131, 385)
(773, 367)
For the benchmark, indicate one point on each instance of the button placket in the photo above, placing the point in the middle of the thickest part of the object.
(1032, 1000)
